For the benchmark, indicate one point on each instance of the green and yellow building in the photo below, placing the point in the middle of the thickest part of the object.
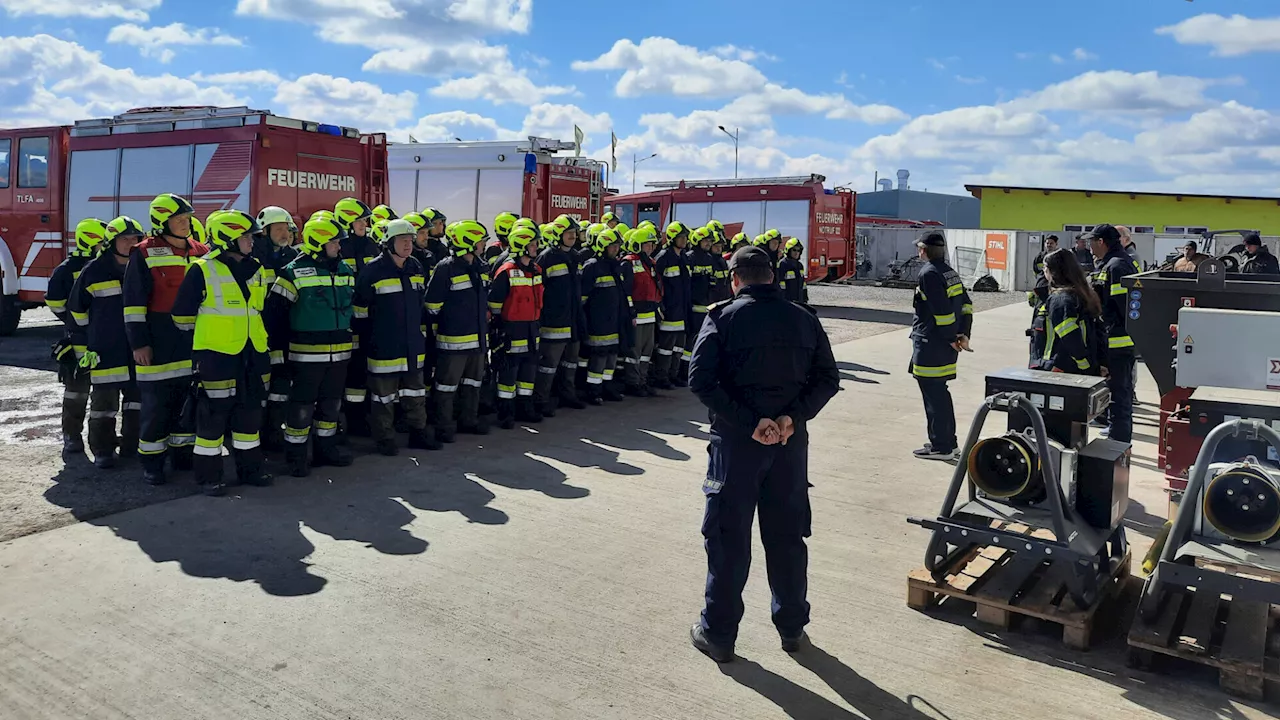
(1017, 208)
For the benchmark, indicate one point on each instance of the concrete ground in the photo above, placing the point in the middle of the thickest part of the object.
(547, 572)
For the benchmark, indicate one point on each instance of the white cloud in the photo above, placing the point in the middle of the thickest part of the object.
(936, 64)
(135, 10)
(158, 42)
(733, 52)
(557, 121)
(244, 78)
(1229, 36)
(324, 98)
(383, 24)
(1118, 91)
(447, 126)
(46, 80)
(503, 84)
(496, 15)
(1083, 55)
(777, 100)
(427, 59)
(662, 66)
(965, 80)
(1057, 59)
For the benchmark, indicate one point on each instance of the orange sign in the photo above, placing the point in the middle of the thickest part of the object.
(997, 251)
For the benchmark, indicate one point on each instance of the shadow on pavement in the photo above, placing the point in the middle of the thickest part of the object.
(847, 370)
(843, 312)
(30, 347)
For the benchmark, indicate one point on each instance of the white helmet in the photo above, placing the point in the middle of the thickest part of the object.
(273, 214)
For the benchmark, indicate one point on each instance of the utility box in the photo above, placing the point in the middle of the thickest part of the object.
(1228, 349)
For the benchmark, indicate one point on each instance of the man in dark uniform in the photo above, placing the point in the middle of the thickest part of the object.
(1259, 260)
(763, 367)
(1037, 297)
(943, 321)
(1115, 263)
(1083, 255)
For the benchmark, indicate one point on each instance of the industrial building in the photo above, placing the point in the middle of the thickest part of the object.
(1143, 212)
(903, 203)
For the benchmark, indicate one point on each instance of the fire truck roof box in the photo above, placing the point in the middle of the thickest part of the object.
(482, 154)
(165, 119)
(738, 182)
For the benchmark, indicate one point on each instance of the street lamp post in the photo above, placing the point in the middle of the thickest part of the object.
(636, 163)
(734, 136)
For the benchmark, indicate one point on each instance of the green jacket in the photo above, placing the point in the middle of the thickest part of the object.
(311, 305)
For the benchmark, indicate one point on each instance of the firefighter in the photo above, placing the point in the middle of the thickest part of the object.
(358, 250)
(436, 222)
(609, 219)
(389, 298)
(574, 380)
(161, 353)
(496, 254)
(721, 289)
(1113, 264)
(674, 271)
(421, 243)
(457, 302)
(310, 309)
(773, 246)
(197, 230)
(606, 311)
(96, 304)
(515, 299)
(702, 277)
(273, 249)
(941, 329)
(383, 213)
(643, 289)
(221, 299)
(68, 351)
(738, 242)
(793, 273)
(558, 330)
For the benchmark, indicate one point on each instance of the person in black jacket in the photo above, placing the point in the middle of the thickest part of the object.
(764, 368)
(1084, 256)
(1066, 337)
(941, 329)
(457, 298)
(673, 328)
(1259, 260)
(608, 317)
(1113, 265)
(793, 272)
(562, 320)
(273, 249)
(702, 279)
(90, 234)
(358, 249)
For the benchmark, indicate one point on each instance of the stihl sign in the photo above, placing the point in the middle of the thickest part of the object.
(311, 181)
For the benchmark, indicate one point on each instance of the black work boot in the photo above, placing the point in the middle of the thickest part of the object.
(479, 427)
(181, 458)
(571, 401)
(258, 478)
(611, 392)
(329, 452)
(72, 444)
(424, 440)
(593, 396)
(506, 414)
(152, 471)
(388, 448)
(547, 408)
(105, 460)
(295, 457)
(700, 641)
(527, 411)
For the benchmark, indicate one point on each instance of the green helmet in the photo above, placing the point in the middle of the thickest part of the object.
(605, 238)
(90, 234)
(317, 232)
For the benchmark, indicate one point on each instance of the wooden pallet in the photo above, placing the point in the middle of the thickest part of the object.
(1004, 585)
(1240, 639)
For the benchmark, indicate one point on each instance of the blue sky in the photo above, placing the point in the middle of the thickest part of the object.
(1158, 95)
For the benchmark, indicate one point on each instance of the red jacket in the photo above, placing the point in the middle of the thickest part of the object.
(646, 291)
(516, 292)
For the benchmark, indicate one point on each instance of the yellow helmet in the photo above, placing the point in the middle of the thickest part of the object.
(564, 222)
(621, 227)
(635, 239)
(197, 230)
(466, 235)
(593, 230)
(165, 206)
(520, 238)
(529, 223)
(676, 229)
(772, 234)
(550, 232)
(605, 238)
(432, 215)
(123, 225)
(608, 218)
(349, 210)
(227, 226)
(378, 231)
(698, 235)
(317, 232)
(383, 212)
(503, 223)
(416, 220)
(90, 234)
(739, 240)
(760, 240)
(794, 244)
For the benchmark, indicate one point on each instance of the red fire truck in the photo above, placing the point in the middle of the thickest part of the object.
(796, 206)
(219, 158)
(481, 179)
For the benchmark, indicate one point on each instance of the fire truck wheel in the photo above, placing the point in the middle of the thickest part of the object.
(9, 314)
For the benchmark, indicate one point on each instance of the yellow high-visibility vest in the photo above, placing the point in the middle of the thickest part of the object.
(225, 322)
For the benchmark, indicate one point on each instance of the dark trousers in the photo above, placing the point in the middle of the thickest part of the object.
(741, 476)
(315, 397)
(232, 391)
(458, 375)
(636, 372)
(517, 379)
(600, 368)
(939, 412)
(550, 353)
(666, 366)
(385, 389)
(164, 424)
(75, 400)
(277, 412)
(692, 327)
(355, 404)
(104, 407)
(572, 363)
(1120, 380)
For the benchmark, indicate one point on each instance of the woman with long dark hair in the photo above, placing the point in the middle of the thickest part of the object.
(1068, 340)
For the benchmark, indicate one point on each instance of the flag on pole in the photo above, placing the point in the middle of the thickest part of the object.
(413, 139)
(613, 151)
(578, 137)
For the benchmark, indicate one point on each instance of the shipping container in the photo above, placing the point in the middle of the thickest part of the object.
(479, 180)
(218, 158)
(797, 207)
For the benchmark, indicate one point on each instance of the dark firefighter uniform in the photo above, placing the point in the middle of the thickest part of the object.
(1114, 266)
(604, 304)
(96, 305)
(156, 270)
(644, 291)
(672, 324)
(793, 273)
(357, 250)
(273, 259)
(515, 299)
(69, 351)
(559, 331)
(1064, 338)
(1261, 262)
(222, 299)
(758, 356)
(721, 289)
(309, 310)
(390, 298)
(943, 311)
(702, 278)
(458, 304)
